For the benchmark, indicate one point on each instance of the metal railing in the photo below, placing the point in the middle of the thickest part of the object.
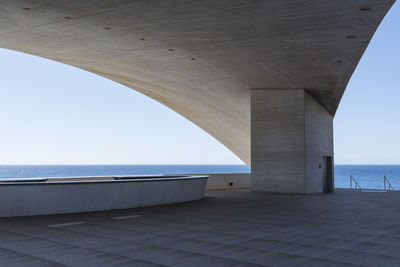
(356, 184)
(387, 184)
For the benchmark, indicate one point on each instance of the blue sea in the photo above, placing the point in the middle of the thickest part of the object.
(368, 176)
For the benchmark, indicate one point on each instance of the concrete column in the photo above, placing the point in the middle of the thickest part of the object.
(291, 142)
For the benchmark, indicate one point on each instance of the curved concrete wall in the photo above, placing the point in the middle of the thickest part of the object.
(56, 197)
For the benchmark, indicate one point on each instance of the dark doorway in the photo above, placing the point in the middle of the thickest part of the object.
(327, 174)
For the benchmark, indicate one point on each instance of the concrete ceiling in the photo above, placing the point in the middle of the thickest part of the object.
(200, 58)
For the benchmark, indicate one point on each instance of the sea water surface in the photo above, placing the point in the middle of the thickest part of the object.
(30, 171)
(368, 176)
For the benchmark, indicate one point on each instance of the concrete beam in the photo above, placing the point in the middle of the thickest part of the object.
(291, 142)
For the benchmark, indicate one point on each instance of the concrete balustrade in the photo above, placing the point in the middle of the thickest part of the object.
(84, 194)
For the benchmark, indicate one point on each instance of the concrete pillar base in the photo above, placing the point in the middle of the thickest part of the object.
(291, 142)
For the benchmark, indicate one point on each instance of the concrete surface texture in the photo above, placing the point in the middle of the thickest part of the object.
(227, 228)
(291, 134)
(228, 180)
(201, 58)
(57, 197)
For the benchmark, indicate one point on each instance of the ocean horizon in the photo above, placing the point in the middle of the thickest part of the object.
(369, 176)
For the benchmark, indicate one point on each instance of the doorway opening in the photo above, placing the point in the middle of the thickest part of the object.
(327, 174)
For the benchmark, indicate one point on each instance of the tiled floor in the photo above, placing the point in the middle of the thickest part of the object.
(227, 228)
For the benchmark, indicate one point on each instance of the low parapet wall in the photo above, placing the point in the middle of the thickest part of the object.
(26, 197)
(29, 197)
(229, 180)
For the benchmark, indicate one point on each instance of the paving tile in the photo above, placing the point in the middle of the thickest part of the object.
(230, 228)
(381, 260)
(13, 258)
(324, 263)
(182, 258)
(346, 256)
(63, 253)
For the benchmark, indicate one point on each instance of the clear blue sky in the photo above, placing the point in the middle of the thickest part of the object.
(51, 113)
(367, 123)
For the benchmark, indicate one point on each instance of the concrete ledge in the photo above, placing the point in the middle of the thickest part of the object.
(72, 195)
(229, 180)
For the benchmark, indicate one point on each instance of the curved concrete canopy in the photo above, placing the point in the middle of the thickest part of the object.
(201, 58)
